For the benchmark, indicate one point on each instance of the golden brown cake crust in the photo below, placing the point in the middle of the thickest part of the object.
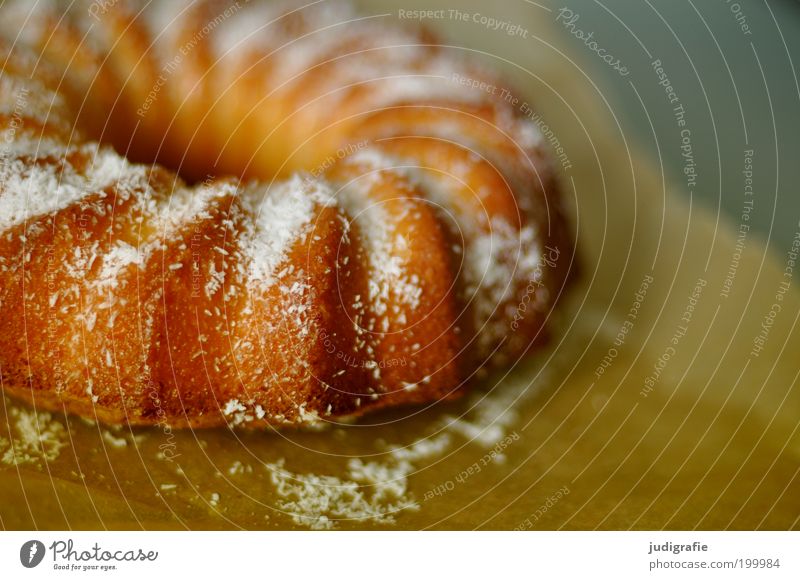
(387, 233)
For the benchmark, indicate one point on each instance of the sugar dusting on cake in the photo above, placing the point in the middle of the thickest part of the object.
(389, 280)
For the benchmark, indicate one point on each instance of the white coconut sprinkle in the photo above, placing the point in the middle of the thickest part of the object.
(281, 218)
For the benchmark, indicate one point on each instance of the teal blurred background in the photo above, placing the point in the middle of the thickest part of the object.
(735, 71)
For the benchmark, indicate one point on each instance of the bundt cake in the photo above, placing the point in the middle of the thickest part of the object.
(260, 213)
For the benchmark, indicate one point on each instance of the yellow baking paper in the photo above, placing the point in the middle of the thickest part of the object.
(666, 398)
